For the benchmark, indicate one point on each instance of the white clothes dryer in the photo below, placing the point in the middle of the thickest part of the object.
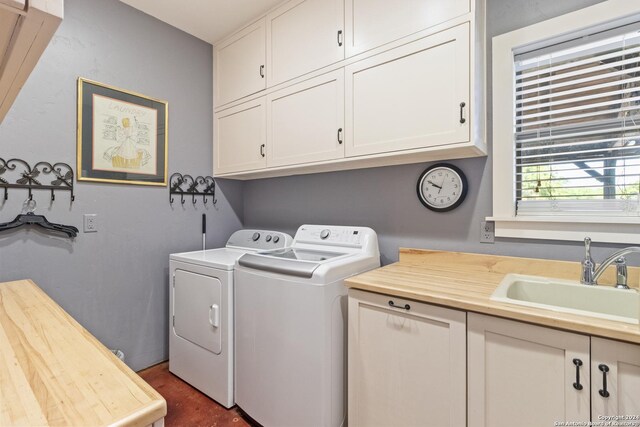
(291, 314)
(201, 335)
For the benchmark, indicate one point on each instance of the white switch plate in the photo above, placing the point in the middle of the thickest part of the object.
(487, 232)
(90, 223)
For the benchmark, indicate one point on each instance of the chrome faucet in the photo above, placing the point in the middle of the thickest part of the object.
(591, 274)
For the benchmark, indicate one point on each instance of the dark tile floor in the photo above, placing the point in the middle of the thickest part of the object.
(186, 406)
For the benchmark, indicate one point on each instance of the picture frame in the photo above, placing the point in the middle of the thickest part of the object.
(122, 136)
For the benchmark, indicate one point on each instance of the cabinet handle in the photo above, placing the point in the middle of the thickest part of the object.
(577, 384)
(340, 136)
(405, 307)
(339, 37)
(262, 150)
(262, 71)
(462, 119)
(604, 369)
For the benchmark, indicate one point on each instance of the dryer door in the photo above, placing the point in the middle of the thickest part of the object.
(196, 309)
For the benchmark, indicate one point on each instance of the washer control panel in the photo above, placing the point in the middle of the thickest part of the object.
(259, 239)
(331, 235)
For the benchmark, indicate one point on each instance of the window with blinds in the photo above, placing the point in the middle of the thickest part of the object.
(577, 126)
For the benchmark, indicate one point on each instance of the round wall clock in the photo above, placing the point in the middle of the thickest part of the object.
(442, 187)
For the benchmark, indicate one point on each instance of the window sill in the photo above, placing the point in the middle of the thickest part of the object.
(570, 228)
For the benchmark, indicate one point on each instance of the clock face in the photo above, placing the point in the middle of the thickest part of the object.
(442, 187)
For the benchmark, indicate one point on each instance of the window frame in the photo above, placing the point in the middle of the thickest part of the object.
(557, 30)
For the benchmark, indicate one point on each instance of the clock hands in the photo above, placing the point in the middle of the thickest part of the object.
(442, 185)
(435, 185)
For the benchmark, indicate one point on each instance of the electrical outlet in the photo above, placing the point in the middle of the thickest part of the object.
(90, 223)
(487, 232)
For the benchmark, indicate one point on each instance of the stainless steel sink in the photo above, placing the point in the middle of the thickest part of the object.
(566, 296)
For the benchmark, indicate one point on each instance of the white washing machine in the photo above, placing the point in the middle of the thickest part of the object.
(201, 311)
(291, 315)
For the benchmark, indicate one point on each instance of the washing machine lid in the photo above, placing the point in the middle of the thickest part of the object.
(289, 261)
(221, 258)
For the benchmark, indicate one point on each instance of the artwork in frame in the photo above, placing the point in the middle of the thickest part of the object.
(122, 136)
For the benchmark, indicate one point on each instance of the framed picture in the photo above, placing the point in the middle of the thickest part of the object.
(122, 136)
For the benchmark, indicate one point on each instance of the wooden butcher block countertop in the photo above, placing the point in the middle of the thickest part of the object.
(53, 372)
(466, 281)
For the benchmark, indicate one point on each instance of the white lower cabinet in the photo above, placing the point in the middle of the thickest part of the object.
(525, 375)
(240, 138)
(305, 121)
(615, 381)
(406, 363)
(407, 368)
(414, 96)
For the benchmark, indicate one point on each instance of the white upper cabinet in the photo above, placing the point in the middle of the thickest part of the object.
(303, 36)
(414, 96)
(240, 68)
(371, 23)
(240, 138)
(615, 379)
(413, 93)
(305, 121)
(25, 32)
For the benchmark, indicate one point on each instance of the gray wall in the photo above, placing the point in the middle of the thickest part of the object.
(115, 282)
(385, 198)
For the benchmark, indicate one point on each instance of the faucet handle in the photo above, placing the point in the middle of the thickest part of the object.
(588, 265)
(621, 273)
(587, 247)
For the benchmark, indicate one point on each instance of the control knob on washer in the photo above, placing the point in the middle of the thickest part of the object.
(325, 233)
(255, 237)
(276, 239)
(268, 238)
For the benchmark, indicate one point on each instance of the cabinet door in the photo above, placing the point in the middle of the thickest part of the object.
(618, 364)
(240, 133)
(304, 121)
(524, 375)
(240, 64)
(406, 365)
(414, 96)
(302, 36)
(371, 23)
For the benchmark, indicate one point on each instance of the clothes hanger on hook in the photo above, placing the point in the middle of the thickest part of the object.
(29, 218)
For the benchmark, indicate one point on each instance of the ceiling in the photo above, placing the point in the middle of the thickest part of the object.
(209, 20)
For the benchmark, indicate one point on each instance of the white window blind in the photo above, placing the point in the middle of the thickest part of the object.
(577, 126)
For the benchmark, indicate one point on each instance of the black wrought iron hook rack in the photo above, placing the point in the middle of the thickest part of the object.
(31, 177)
(186, 185)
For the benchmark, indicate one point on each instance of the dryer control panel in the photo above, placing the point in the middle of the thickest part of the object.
(259, 239)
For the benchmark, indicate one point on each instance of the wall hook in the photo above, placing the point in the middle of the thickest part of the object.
(33, 177)
(186, 184)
